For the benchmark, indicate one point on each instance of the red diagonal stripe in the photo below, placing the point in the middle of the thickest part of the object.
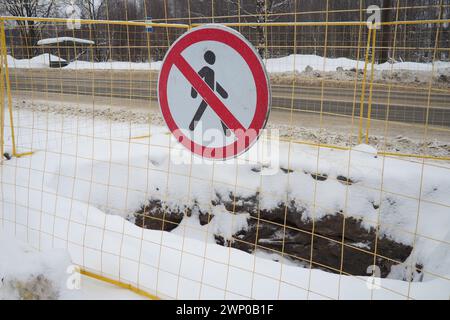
(207, 94)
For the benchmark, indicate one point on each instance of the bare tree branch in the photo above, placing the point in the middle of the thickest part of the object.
(30, 30)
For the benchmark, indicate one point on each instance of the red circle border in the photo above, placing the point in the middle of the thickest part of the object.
(241, 46)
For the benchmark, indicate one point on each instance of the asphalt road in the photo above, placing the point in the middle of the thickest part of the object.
(411, 105)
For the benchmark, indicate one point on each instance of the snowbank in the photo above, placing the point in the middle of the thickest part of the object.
(38, 62)
(291, 63)
(181, 267)
(42, 61)
(28, 274)
(300, 62)
(114, 65)
(64, 196)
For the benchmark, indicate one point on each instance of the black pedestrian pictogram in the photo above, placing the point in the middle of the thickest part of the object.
(207, 74)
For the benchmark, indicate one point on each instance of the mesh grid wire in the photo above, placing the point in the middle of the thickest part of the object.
(95, 173)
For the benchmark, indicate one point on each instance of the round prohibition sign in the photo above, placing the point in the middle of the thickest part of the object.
(214, 92)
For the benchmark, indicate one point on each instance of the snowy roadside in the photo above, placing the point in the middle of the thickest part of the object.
(400, 143)
(311, 68)
(302, 68)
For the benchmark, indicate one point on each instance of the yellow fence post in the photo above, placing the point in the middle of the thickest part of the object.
(2, 102)
(369, 104)
(4, 53)
(363, 88)
(8, 86)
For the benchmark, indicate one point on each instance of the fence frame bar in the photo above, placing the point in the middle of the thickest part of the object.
(2, 102)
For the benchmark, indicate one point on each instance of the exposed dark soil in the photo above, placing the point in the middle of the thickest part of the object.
(333, 243)
(156, 216)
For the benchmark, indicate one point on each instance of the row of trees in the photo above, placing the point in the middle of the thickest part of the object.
(413, 42)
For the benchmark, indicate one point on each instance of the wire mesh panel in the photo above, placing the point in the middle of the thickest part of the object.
(350, 180)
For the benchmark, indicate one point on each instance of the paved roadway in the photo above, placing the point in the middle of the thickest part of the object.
(405, 104)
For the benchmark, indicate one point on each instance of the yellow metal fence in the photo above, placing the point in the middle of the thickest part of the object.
(116, 79)
(151, 47)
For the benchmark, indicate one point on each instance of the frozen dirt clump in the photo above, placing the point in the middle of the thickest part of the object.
(155, 215)
(26, 274)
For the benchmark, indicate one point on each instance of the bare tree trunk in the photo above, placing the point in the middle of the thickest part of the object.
(386, 36)
(261, 18)
(29, 30)
(29, 36)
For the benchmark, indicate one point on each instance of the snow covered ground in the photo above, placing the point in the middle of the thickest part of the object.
(92, 289)
(88, 174)
(291, 63)
(26, 273)
(299, 63)
(41, 61)
(305, 127)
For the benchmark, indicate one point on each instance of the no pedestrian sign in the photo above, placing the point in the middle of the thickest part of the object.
(214, 92)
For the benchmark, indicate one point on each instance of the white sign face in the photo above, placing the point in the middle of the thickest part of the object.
(213, 92)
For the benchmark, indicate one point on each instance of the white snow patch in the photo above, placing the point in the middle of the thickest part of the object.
(226, 224)
(63, 39)
(114, 65)
(26, 273)
(42, 61)
(291, 63)
(299, 63)
(92, 289)
(365, 149)
(38, 62)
